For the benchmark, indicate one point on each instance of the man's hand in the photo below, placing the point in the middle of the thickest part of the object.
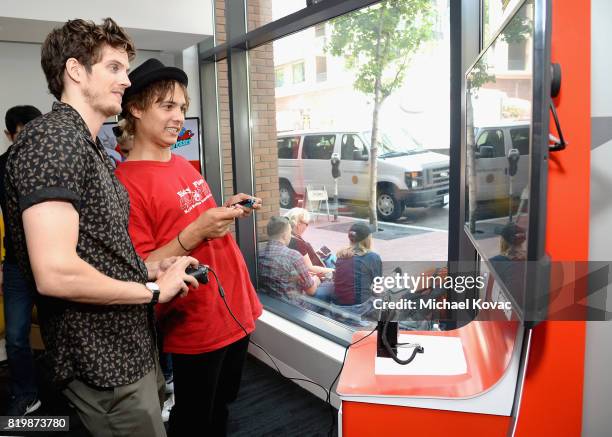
(232, 201)
(165, 264)
(155, 268)
(174, 280)
(215, 222)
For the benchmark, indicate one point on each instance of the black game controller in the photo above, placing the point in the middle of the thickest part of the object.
(200, 273)
(246, 202)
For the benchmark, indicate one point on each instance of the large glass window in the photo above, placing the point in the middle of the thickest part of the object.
(321, 107)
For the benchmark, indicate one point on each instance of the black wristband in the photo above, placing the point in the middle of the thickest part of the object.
(181, 244)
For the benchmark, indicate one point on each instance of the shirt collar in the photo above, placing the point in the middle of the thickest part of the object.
(79, 123)
(74, 116)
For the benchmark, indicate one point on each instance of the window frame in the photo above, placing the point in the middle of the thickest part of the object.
(321, 61)
(239, 41)
(302, 67)
(279, 77)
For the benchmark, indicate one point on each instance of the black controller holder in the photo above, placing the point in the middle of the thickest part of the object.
(200, 273)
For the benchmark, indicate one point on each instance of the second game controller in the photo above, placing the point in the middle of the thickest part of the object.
(200, 273)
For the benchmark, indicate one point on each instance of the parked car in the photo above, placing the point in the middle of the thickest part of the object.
(493, 145)
(408, 174)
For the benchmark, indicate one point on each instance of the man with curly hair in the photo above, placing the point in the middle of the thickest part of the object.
(69, 216)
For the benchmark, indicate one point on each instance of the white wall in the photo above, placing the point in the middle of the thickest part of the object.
(596, 420)
(192, 68)
(23, 82)
(185, 16)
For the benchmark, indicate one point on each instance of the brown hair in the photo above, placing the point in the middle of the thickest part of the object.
(82, 40)
(154, 93)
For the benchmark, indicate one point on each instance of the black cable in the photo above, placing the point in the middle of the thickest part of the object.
(222, 294)
(417, 347)
(328, 400)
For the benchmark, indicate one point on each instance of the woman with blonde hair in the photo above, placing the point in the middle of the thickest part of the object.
(299, 218)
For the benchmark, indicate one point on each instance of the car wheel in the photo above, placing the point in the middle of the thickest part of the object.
(388, 207)
(287, 195)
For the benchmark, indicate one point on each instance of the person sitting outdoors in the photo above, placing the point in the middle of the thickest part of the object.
(299, 219)
(282, 271)
(356, 268)
(511, 243)
(508, 263)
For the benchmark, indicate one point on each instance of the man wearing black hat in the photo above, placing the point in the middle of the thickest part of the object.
(69, 218)
(173, 213)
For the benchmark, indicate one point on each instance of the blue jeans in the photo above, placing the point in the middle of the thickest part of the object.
(18, 303)
(325, 291)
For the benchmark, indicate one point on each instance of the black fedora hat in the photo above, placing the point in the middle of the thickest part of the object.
(149, 72)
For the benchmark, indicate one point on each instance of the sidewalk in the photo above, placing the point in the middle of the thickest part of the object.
(395, 243)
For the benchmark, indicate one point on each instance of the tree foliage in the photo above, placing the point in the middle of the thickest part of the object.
(378, 43)
(400, 25)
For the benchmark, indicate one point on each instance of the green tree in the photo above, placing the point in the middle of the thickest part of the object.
(378, 43)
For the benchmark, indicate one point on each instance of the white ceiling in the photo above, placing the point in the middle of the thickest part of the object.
(35, 31)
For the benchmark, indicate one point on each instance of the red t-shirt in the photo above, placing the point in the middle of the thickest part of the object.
(164, 198)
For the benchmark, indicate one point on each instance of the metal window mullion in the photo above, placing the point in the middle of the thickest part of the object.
(210, 157)
(240, 128)
(465, 45)
(210, 150)
(300, 20)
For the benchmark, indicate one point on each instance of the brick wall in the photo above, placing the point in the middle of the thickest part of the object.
(263, 114)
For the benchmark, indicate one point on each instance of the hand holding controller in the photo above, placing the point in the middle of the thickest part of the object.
(248, 203)
(200, 273)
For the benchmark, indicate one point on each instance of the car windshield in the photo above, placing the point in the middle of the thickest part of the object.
(395, 143)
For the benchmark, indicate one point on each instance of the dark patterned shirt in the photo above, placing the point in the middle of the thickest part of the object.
(283, 272)
(55, 159)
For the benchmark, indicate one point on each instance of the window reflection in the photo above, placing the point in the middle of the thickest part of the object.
(319, 114)
(498, 142)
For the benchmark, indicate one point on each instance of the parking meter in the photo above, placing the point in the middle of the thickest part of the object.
(335, 163)
(513, 158)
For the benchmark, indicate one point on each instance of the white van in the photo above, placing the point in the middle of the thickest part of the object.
(408, 175)
(493, 144)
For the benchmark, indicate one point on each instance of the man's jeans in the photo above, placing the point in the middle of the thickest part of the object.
(18, 302)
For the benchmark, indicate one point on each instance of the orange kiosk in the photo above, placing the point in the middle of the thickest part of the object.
(508, 378)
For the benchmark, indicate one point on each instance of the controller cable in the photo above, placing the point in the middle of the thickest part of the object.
(327, 391)
(222, 294)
